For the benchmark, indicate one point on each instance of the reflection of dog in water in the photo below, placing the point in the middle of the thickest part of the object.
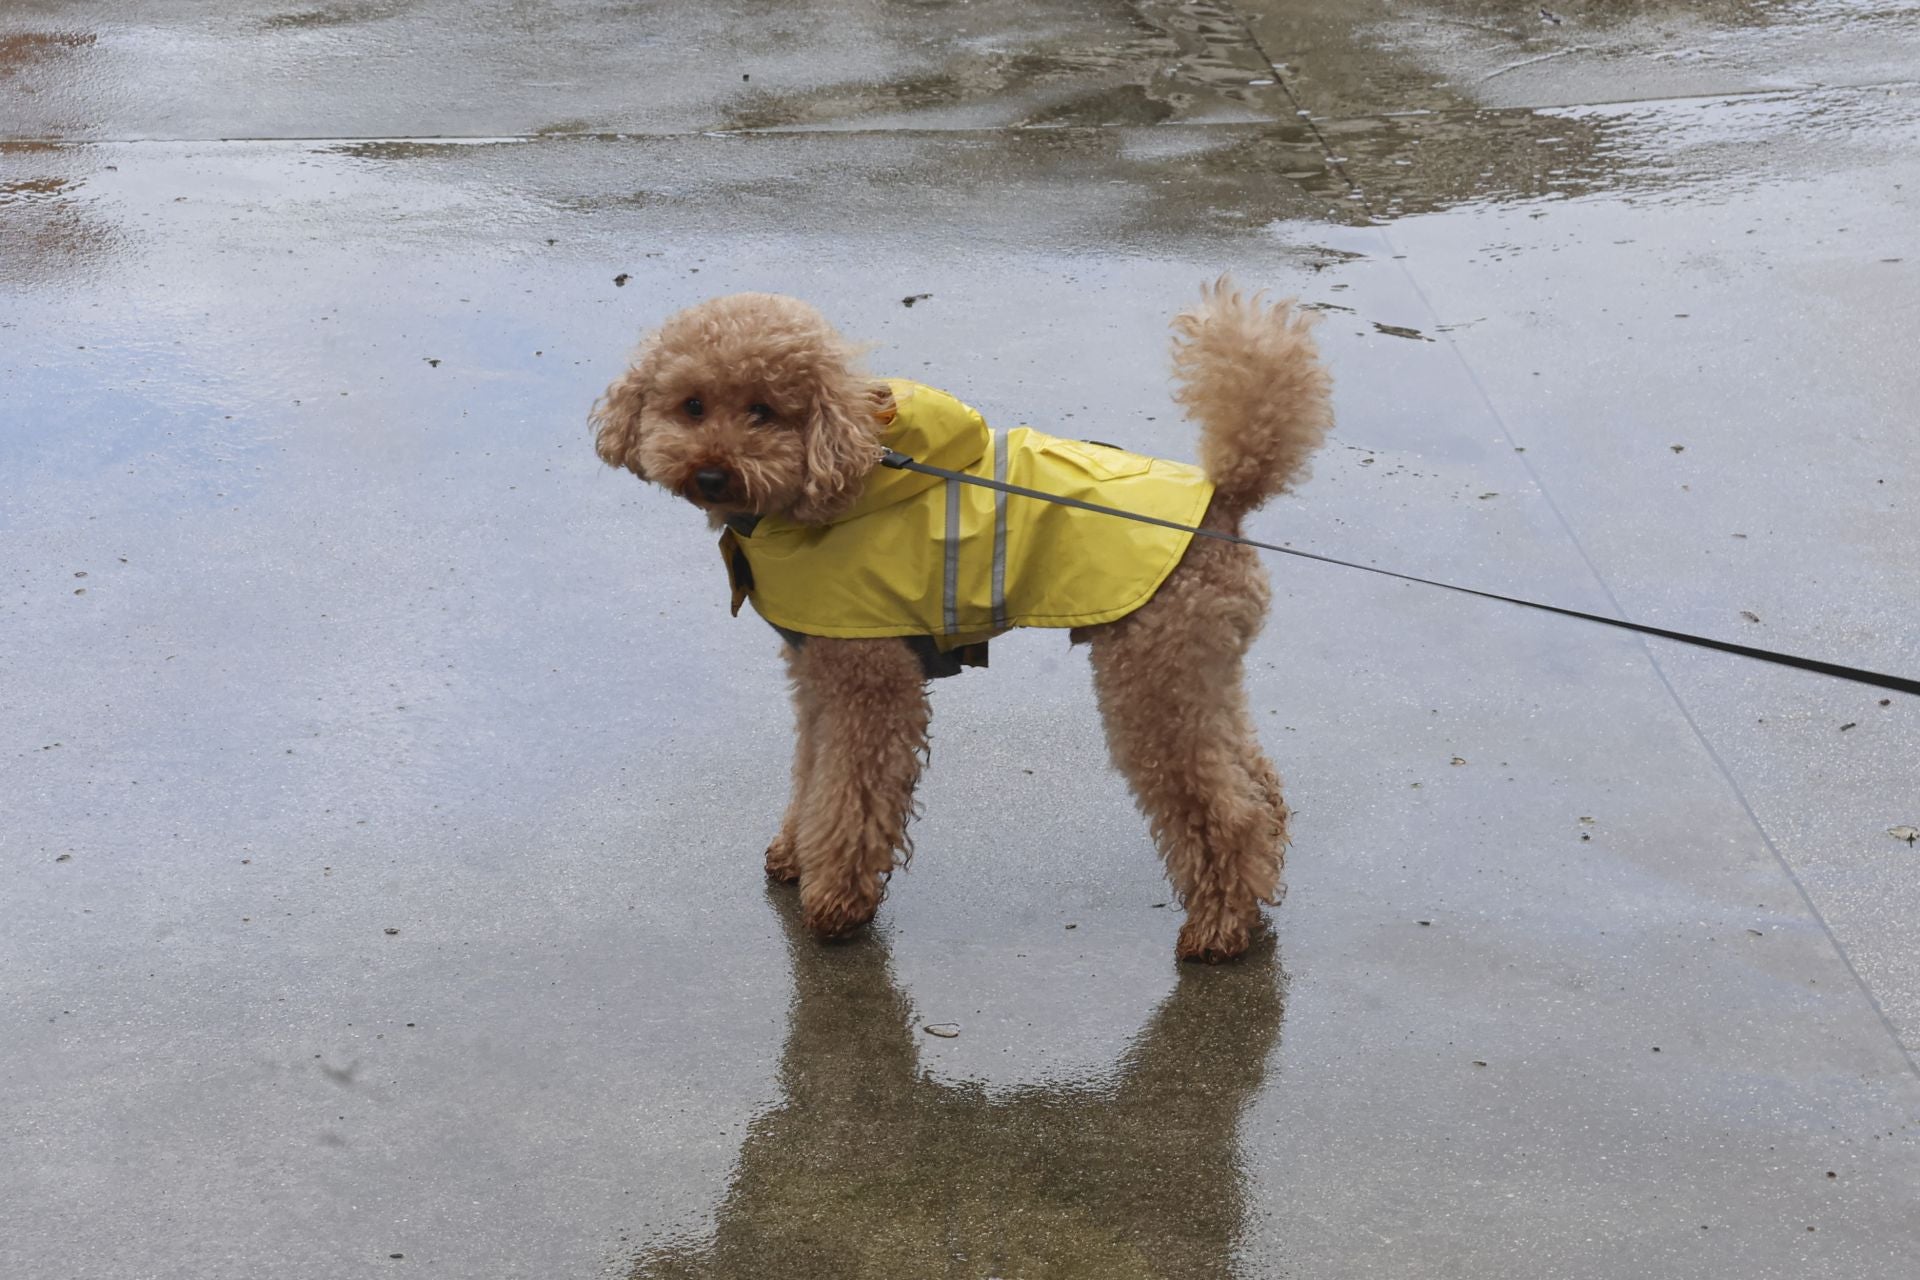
(752, 408)
(870, 1168)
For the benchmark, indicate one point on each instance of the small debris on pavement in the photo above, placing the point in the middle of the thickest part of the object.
(945, 1030)
(620, 281)
(1459, 760)
(1851, 724)
(65, 857)
(912, 298)
(1909, 834)
(1750, 615)
(391, 931)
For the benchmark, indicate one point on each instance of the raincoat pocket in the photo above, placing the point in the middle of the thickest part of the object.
(1100, 462)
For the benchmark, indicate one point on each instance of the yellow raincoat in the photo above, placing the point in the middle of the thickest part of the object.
(918, 555)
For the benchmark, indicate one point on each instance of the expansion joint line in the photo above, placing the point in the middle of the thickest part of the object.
(1300, 112)
(1900, 1047)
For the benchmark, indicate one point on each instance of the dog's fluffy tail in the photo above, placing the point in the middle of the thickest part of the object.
(1249, 374)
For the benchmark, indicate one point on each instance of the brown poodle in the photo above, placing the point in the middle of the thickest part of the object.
(752, 407)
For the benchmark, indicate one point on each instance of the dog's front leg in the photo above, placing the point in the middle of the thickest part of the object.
(783, 860)
(864, 707)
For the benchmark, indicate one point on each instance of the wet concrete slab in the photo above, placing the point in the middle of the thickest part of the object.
(1773, 357)
(1592, 962)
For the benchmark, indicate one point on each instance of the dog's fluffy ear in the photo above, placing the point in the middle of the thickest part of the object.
(842, 436)
(616, 415)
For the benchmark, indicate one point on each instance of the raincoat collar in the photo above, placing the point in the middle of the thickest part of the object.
(928, 425)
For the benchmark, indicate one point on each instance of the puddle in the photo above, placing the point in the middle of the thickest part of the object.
(1131, 64)
(1405, 114)
(1353, 57)
(819, 158)
(869, 1164)
(338, 15)
(1025, 187)
(19, 52)
(25, 189)
(49, 226)
(1479, 102)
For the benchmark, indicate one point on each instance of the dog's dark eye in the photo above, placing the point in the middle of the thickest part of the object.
(694, 408)
(760, 413)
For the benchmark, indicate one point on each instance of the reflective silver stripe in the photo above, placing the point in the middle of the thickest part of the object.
(999, 532)
(953, 558)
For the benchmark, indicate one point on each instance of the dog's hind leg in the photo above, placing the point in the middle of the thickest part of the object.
(1168, 678)
(783, 863)
(1267, 778)
(867, 713)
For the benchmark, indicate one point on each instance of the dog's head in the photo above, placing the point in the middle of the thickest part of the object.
(750, 403)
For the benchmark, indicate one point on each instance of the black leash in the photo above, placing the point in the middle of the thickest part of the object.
(1900, 684)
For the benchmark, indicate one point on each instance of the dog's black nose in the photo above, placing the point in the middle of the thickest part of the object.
(712, 482)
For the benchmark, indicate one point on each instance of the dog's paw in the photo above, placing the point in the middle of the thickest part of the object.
(782, 866)
(835, 913)
(1215, 941)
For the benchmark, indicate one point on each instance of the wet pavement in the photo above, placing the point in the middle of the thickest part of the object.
(383, 783)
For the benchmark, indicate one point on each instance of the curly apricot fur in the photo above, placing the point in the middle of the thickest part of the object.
(753, 403)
